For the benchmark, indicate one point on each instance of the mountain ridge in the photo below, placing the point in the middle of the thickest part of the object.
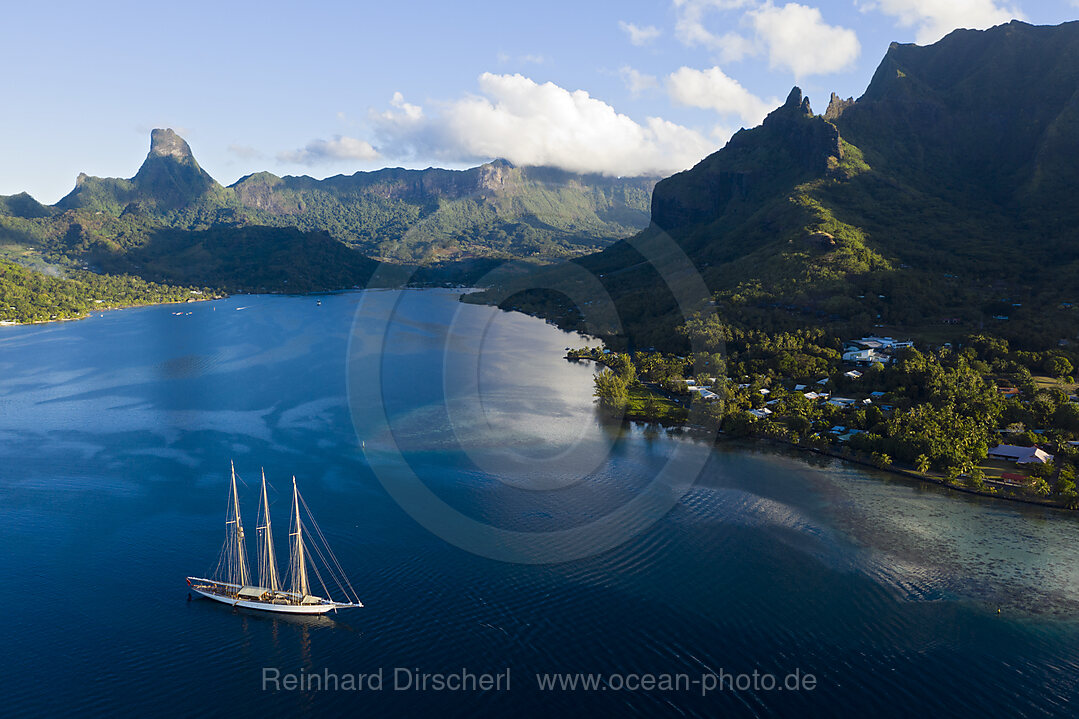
(415, 216)
(941, 202)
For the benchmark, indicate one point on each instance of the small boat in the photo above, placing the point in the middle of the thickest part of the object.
(231, 582)
(318, 303)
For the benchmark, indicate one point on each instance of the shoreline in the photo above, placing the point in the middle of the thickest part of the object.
(893, 469)
(902, 472)
(111, 308)
(225, 295)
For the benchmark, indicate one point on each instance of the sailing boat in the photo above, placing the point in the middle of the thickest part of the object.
(232, 583)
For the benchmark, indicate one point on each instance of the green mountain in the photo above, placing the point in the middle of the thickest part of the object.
(169, 179)
(245, 259)
(495, 210)
(172, 222)
(411, 216)
(941, 202)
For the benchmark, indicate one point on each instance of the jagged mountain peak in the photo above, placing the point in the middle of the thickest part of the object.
(837, 106)
(164, 142)
(168, 178)
(796, 105)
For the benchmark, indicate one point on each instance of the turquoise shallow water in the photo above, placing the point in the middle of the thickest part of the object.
(449, 455)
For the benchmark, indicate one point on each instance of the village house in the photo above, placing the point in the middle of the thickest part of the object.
(870, 350)
(1020, 455)
(865, 357)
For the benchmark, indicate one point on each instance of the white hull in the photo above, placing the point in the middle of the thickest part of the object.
(281, 608)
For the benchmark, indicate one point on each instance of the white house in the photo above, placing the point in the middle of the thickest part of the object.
(760, 413)
(842, 401)
(1020, 455)
(853, 374)
(865, 357)
(884, 342)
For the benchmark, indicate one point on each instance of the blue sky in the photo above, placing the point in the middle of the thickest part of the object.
(334, 87)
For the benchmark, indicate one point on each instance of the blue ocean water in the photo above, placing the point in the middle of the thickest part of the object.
(491, 523)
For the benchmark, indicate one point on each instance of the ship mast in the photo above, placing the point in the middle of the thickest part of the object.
(267, 560)
(241, 575)
(298, 561)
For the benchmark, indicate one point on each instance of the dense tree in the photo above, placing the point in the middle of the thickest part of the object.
(610, 388)
(1057, 366)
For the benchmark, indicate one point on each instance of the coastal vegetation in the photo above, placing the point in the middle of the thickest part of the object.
(29, 296)
(932, 411)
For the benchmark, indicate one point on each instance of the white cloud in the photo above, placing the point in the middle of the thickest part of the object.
(690, 29)
(506, 58)
(340, 148)
(245, 152)
(637, 82)
(407, 110)
(798, 39)
(639, 35)
(794, 36)
(934, 19)
(529, 123)
(715, 90)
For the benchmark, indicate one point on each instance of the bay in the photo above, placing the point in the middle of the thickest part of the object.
(117, 433)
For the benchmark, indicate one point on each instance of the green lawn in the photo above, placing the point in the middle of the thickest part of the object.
(994, 468)
(1044, 382)
(667, 411)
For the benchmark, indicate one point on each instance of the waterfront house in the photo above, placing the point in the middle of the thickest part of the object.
(1020, 455)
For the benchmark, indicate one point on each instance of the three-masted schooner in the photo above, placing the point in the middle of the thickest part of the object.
(231, 583)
